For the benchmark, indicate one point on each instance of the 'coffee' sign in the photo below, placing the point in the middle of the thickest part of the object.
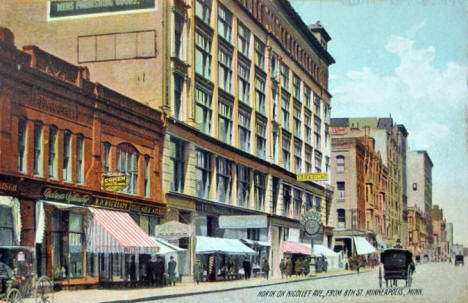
(115, 183)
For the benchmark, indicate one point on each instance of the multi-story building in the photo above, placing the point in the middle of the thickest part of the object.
(67, 145)
(419, 183)
(360, 180)
(440, 244)
(390, 142)
(245, 87)
(449, 228)
(417, 233)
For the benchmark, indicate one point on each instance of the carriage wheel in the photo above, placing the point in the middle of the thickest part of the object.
(44, 290)
(14, 296)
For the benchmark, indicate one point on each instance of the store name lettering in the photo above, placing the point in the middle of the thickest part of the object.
(52, 107)
(67, 196)
(8, 187)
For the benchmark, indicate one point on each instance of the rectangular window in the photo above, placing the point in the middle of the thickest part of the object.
(286, 200)
(275, 143)
(318, 203)
(22, 140)
(66, 156)
(105, 157)
(259, 54)
(285, 112)
(224, 23)
(203, 175)
(284, 77)
(225, 122)
(177, 155)
(7, 237)
(297, 203)
(260, 131)
(127, 163)
(244, 131)
(53, 173)
(308, 160)
(260, 190)
(225, 70)
(243, 40)
(275, 194)
(297, 121)
(178, 89)
(79, 159)
(340, 194)
(317, 105)
(244, 82)
(203, 110)
(308, 128)
(318, 162)
(274, 66)
(286, 152)
(203, 10)
(297, 88)
(224, 179)
(178, 35)
(202, 55)
(308, 202)
(260, 95)
(307, 96)
(243, 185)
(147, 176)
(38, 149)
(298, 156)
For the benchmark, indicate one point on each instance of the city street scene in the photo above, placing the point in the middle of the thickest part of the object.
(233, 151)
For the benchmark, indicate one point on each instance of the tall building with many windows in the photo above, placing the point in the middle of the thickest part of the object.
(244, 87)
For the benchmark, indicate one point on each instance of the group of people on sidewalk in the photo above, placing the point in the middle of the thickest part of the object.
(301, 266)
(156, 272)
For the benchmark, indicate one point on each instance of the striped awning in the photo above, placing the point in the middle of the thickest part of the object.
(116, 232)
(295, 248)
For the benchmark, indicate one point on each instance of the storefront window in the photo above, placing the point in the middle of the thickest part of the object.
(75, 245)
(6, 226)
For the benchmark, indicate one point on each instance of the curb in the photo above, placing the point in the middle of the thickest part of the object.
(170, 296)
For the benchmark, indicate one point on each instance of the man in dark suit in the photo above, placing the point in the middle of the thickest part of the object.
(246, 265)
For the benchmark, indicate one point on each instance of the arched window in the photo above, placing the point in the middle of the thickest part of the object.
(127, 163)
(340, 164)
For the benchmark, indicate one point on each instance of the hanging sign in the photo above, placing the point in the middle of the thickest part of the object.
(115, 183)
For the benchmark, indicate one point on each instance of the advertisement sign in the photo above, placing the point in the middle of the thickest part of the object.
(241, 222)
(312, 177)
(311, 221)
(60, 9)
(115, 183)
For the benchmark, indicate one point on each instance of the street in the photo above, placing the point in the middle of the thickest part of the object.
(433, 282)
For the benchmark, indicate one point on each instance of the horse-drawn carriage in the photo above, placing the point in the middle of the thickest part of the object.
(18, 279)
(398, 265)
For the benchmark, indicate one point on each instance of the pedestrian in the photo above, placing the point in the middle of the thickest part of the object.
(289, 267)
(160, 269)
(197, 271)
(282, 268)
(152, 271)
(246, 265)
(297, 267)
(305, 267)
(266, 268)
(171, 270)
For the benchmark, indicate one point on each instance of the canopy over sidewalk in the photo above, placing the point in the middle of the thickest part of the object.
(362, 246)
(295, 248)
(208, 245)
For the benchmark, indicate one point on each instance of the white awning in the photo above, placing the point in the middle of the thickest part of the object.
(166, 247)
(362, 246)
(321, 250)
(208, 245)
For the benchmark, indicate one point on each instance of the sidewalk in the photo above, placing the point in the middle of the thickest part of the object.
(181, 289)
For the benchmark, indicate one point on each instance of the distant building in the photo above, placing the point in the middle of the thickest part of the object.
(440, 244)
(449, 230)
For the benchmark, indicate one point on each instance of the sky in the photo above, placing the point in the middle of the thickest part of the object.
(407, 59)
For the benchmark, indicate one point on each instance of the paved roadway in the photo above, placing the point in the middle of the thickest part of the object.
(433, 282)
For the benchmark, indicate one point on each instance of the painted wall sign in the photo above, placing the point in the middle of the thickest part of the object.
(78, 8)
(312, 177)
(71, 197)
(8, 187)
(248, 221)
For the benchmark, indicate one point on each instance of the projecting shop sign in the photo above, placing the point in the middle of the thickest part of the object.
(247, 221)
(60, 9)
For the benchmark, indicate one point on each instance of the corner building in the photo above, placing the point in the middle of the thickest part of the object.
(245, 87)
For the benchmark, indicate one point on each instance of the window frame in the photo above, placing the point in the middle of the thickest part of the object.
(22, 145)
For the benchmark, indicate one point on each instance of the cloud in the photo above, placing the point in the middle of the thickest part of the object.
(429, 133)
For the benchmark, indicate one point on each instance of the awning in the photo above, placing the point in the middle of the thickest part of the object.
(295, 248)
(116, 232)
(166, 247)
(322, 250)
(362, 246)
(208, 245)
(253, 242)
(13, 203)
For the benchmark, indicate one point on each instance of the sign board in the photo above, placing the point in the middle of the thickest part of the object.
(312, 177)
(311, 221)
(241, 222)
(294, 235)
(173, 230)
(60, 9)
(115, 183)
